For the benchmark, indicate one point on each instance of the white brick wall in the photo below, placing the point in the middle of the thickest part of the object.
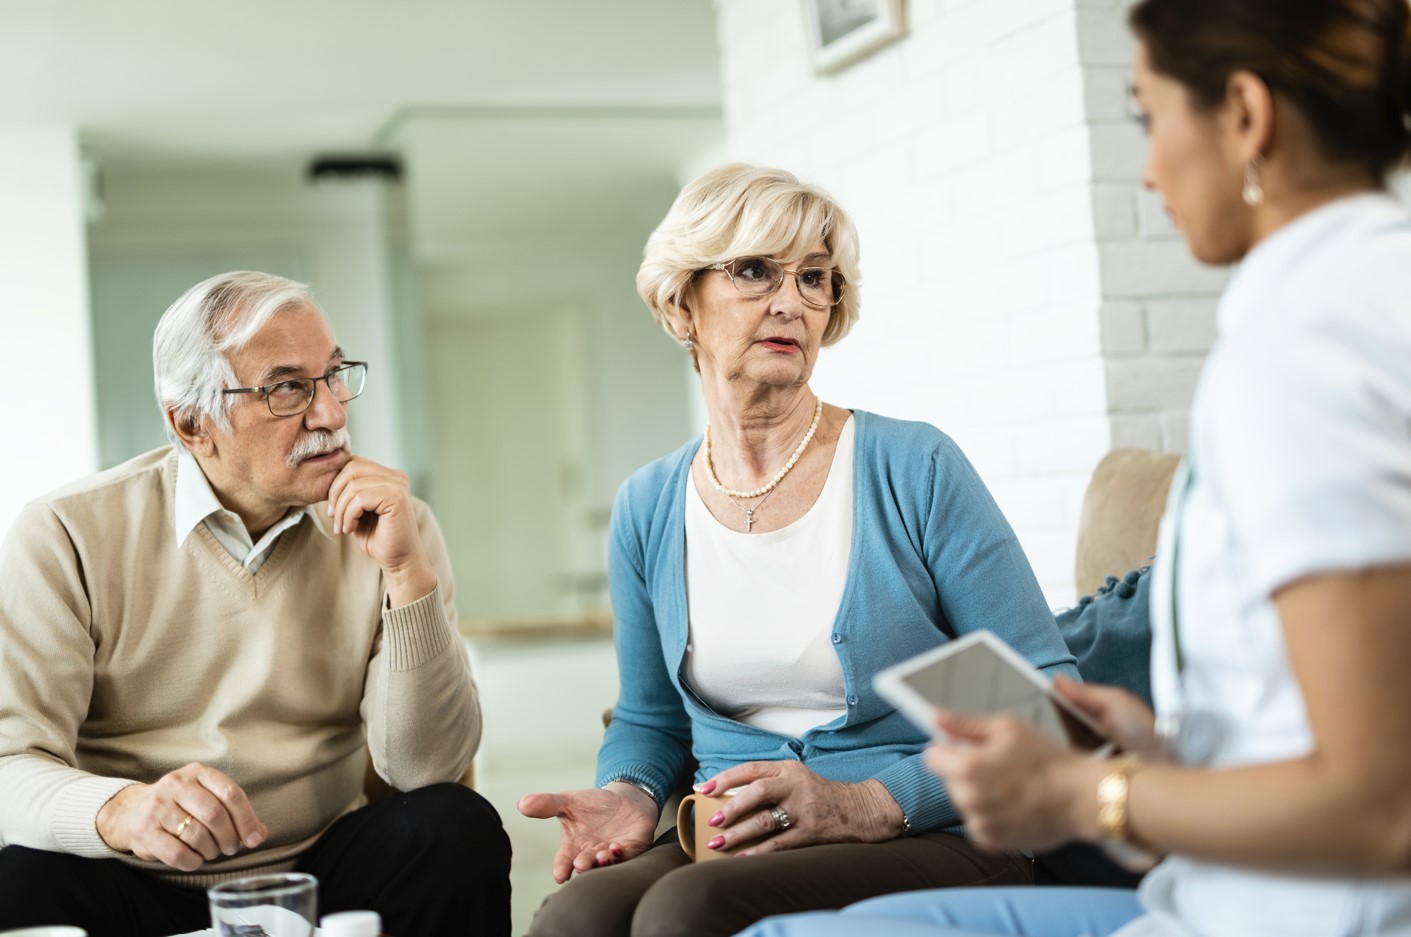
(1020, 291)
(963, 155)
(1159, 319)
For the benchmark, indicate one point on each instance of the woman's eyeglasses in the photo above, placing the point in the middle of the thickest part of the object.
(760, 276)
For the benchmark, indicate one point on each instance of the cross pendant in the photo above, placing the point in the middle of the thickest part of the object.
(749, 520)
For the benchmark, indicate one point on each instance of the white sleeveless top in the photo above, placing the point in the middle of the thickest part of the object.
(762, 608)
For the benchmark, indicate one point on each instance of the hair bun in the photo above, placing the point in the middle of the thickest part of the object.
(1406, 77)
(1403, 86)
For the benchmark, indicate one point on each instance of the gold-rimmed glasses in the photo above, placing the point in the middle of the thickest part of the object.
(760, 276)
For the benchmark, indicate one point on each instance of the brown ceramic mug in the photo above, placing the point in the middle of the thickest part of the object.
(698, 830)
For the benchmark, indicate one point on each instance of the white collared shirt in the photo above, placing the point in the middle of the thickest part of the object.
(197, 502)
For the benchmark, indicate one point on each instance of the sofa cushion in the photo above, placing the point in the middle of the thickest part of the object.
(1121, 510)
(1110, 633)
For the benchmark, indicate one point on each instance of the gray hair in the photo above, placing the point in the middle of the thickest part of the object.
(197, 333)
(741, 210)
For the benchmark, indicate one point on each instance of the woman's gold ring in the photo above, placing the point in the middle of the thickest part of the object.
(181, 827)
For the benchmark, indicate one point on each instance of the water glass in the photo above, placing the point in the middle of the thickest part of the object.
(283, 905)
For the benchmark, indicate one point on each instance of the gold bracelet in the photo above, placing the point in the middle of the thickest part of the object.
(1112, 798)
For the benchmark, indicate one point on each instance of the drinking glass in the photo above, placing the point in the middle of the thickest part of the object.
(283, 905)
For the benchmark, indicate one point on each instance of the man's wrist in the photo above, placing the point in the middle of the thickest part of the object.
(409, 584)
(107, 822)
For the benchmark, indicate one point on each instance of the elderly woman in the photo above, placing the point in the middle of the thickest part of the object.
(761, 575)
(1277, 781)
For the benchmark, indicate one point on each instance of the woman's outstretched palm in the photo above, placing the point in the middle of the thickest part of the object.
(599, 827)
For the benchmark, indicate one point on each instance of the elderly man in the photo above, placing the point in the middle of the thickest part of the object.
(197, 648)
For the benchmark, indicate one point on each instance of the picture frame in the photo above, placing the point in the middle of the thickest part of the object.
(842, 31)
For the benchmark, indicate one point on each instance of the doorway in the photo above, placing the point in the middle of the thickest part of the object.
(508, 454)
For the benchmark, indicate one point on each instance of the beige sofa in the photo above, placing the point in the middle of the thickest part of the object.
(1121, 510)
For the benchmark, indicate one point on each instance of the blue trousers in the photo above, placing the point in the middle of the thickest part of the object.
(968, 912)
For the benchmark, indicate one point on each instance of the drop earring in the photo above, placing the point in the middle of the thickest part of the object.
(687, 344)
(1253, 192)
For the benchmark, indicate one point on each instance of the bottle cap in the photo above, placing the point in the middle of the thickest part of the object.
(352, 924)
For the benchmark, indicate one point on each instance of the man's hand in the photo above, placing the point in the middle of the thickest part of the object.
(374, 504)
(184, 820)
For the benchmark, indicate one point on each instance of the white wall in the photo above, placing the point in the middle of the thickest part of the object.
(964, 153)
(1022, 291)
(47, 422)
(1158, 312)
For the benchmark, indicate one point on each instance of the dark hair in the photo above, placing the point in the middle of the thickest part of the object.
(1344, 64)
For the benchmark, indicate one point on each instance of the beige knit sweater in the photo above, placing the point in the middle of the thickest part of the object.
(124, 656)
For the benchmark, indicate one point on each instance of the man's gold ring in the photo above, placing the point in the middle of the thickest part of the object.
(181, 827)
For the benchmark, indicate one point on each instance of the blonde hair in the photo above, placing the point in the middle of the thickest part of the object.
(747, 211)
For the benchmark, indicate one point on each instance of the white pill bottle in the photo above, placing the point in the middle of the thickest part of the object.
(351, 924)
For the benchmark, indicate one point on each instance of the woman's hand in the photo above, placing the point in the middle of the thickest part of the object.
(1124, 719)
(1015, 787)
(600, 826)
(817, 811)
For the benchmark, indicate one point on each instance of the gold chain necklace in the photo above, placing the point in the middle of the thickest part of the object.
(767, 487)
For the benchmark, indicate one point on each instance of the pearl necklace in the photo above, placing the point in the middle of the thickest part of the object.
(768, 486)
(749, 512)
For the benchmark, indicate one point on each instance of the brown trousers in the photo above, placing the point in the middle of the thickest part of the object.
(661, 893)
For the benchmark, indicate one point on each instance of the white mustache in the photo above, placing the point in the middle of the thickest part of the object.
(317, 442)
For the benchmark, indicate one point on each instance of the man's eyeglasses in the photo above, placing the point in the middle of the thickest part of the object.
(760, 276)
(296, 394)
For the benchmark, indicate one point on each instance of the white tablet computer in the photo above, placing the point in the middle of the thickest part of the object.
(979, 674)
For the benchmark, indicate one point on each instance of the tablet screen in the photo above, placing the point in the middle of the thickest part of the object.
(979, 680)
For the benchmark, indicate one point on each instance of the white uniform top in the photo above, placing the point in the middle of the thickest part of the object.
(763, 607)
(1301, 453)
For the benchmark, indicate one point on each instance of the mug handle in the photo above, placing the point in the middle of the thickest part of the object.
(685, 827)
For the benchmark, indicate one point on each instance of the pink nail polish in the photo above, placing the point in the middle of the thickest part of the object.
(716, 843)
(716, 820)
(616, 852)
(707, 787)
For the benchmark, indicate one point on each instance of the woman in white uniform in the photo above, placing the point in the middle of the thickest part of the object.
(1277, 780)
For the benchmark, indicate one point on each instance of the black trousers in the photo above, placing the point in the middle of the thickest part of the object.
(432, 861)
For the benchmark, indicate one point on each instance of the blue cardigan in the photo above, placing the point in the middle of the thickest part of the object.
(932, 558)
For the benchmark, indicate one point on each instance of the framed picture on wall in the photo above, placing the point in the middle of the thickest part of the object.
(843, 31)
